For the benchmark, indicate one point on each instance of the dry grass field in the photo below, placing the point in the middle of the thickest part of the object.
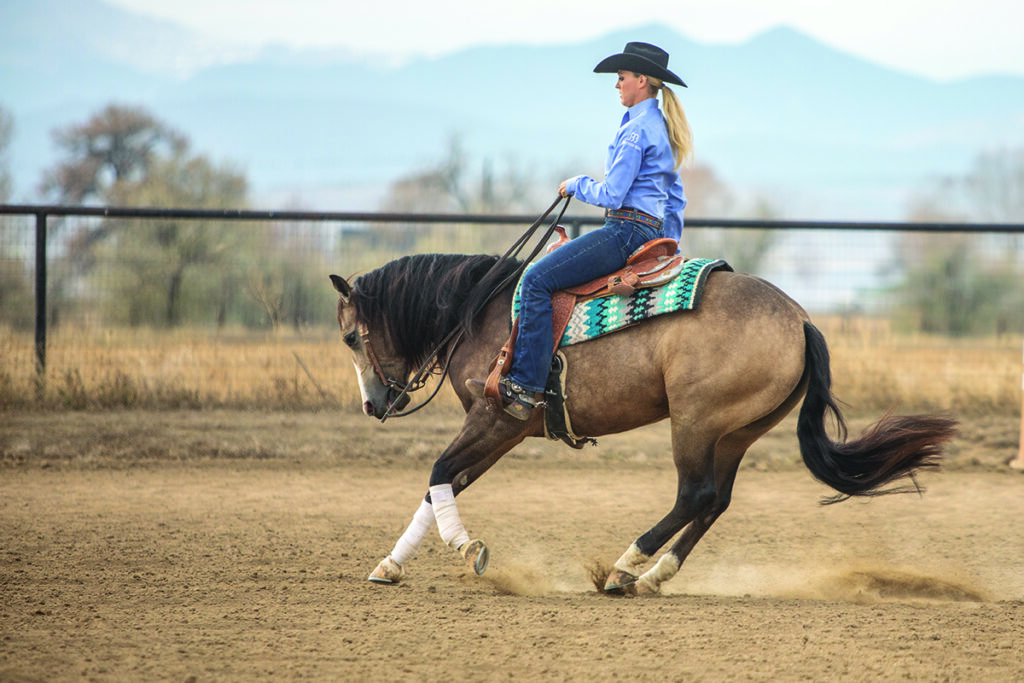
(875, 370)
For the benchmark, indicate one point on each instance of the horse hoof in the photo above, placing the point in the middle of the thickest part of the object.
(476, 555)
(388, 571)
(646, 587)
(620, 582)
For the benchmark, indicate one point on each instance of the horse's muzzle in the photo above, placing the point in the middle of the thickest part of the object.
(392, 403)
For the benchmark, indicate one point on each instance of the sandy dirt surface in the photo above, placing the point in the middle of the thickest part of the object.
(236, 546)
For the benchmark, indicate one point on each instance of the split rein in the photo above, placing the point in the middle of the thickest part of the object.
(454, 338)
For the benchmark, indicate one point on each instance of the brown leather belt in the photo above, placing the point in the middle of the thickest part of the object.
(635, 216)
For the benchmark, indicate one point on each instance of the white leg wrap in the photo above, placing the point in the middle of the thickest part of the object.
(665, 569)
(409, 543)
(449, 524)
(632, 560)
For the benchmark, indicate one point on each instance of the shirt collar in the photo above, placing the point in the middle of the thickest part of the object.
(639, 109)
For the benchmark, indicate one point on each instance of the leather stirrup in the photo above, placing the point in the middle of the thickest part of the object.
(499, 368)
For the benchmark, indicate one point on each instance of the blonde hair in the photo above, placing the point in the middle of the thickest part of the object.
(679, 135)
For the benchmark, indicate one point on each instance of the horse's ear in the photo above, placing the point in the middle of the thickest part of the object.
(343, 288)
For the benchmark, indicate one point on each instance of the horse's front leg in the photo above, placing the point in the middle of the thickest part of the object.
(392, 568)
(484, 438)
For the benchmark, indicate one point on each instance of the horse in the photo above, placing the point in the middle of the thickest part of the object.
(723, 375)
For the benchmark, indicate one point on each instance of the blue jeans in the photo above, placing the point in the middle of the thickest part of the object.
(581, 260)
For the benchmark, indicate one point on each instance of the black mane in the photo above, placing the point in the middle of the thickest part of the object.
(417, 300)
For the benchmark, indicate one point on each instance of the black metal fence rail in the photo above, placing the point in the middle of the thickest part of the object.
(45, 210)
(573, 222)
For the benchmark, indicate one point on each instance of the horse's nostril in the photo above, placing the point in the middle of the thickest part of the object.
(367, 408)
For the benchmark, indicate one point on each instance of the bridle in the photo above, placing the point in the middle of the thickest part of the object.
(418, 381)
(454, 338)
(385, 379)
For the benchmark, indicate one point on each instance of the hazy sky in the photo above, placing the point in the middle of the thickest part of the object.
(937, 38)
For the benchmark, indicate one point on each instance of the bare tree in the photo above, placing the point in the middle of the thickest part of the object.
(994, 188)
(125, 156)
(16, 296)
(117, 145)
(967, 283)
(448, 186)
(451, 186)
(165, 249)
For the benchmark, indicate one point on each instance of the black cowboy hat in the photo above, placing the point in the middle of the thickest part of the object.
(641, 58)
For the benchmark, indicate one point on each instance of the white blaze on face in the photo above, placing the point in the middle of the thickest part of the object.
(372, 393)
(362, 383)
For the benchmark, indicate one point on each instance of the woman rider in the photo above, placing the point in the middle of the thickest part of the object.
(642, 194)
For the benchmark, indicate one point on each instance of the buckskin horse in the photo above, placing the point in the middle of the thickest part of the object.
(723, 374)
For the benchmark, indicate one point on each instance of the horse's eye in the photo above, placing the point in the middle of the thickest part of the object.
(350, 339)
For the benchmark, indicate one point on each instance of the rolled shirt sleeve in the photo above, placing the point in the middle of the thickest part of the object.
(673, 223)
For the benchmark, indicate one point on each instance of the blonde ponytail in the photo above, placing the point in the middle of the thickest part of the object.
(679, 135)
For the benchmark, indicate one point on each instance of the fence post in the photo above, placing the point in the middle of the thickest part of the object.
(40, 301)
(1018, 462)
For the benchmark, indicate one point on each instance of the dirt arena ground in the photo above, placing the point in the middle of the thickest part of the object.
(226, 546)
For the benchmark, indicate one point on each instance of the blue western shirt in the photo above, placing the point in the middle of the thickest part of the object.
(640, 172)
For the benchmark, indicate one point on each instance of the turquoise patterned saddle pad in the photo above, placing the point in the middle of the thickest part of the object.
(597, 317)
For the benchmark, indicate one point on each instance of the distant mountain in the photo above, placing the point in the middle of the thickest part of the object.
(822, 133)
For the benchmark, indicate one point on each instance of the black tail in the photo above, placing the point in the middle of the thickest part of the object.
(895, 447)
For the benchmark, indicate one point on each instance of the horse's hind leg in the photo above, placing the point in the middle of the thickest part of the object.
(697, 490)
(727, 456)
(728, 453)
(669, 563)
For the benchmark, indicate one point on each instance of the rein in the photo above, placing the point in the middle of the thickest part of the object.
(454, 338)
